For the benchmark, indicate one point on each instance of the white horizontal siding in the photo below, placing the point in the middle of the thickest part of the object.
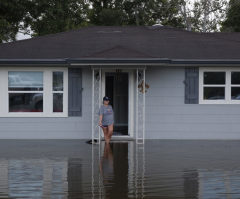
(52, 128)
(168, 117)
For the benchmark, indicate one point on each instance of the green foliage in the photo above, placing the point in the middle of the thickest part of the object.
(205, 15)
(137, 12)
(168, 12)
(106, 12)
(42, 16)
(51, 16)
(12, 13)
(232, 22)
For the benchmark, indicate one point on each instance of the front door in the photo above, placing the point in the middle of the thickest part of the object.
(116, 87)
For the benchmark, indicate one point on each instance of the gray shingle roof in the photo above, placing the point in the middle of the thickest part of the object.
(126, 42)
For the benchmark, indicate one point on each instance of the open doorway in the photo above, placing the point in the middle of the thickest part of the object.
(116, 87)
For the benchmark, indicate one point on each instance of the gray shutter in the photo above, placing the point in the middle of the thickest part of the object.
(74, 92)
(191, 85)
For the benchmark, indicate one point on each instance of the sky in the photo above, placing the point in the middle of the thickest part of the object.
(21, 36)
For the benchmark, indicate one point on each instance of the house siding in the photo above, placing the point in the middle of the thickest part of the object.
(52, 128)
(168, 117)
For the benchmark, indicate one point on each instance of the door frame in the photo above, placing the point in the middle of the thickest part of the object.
(130, 98)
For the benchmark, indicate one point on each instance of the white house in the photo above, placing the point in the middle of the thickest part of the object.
(165, 83)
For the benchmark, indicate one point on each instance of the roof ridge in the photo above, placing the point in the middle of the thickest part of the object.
(178, 29)
(223, 38)
(151, 28)
(64, 32)
(133, 41)
(119, 46)
(44, 36)
(205, 34)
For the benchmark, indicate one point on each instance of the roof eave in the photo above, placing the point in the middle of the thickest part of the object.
(120, 61)
(27, 62)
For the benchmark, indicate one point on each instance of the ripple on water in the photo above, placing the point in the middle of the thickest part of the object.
(73, 169)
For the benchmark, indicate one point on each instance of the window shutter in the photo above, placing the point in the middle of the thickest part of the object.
(74, 92)
(191, 85)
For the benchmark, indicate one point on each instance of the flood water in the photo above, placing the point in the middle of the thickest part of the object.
(164, 169)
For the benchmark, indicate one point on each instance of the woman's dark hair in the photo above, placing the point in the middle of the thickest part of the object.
(105, 98)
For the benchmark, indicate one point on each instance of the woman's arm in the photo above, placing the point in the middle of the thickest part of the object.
(100, 120)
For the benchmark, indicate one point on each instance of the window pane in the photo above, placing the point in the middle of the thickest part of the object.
(57, 102)
(214, 93)
(214, 77)
(25, 102)
(235, 78)
(235, 93)
(25, 81)
(57, 81)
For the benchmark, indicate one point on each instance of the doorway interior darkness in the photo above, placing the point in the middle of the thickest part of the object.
(117, 89)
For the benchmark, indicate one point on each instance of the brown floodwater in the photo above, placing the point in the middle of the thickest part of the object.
(164, 169)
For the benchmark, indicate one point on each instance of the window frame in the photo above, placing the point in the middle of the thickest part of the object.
(52, 91)
(47, 92)
(22, 91)
(227, 85)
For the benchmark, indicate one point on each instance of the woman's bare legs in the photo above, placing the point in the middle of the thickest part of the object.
(105, 132)
(110, 132)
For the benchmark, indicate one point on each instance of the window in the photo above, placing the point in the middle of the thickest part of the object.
(214, 85)
(57, 90)
(33, 92)
(219, 86)
(235, 85)
(25, 91)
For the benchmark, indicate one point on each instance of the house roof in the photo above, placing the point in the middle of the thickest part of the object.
(124, 43)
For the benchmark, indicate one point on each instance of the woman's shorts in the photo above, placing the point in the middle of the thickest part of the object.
(106, 125)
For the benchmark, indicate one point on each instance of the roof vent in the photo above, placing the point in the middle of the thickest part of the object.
(157, 25)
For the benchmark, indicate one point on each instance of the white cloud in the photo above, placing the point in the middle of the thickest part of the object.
(21, 36)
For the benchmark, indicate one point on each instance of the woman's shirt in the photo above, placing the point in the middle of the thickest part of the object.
(107, 113)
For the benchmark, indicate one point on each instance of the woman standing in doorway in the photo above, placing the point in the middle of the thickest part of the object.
(106, 119)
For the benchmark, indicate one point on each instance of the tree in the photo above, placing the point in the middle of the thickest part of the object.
(41, 16)
(204, 15)
(107, 12)
(232, 22)
(149, 12)
(12, 13)
(137, 12)
(51, 16)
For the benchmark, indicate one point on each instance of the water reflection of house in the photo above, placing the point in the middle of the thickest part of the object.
(40, 178)
(190, 184)
(219, 184)
(3, 177)
(74, 178)
(121, 171)
(115, 181)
